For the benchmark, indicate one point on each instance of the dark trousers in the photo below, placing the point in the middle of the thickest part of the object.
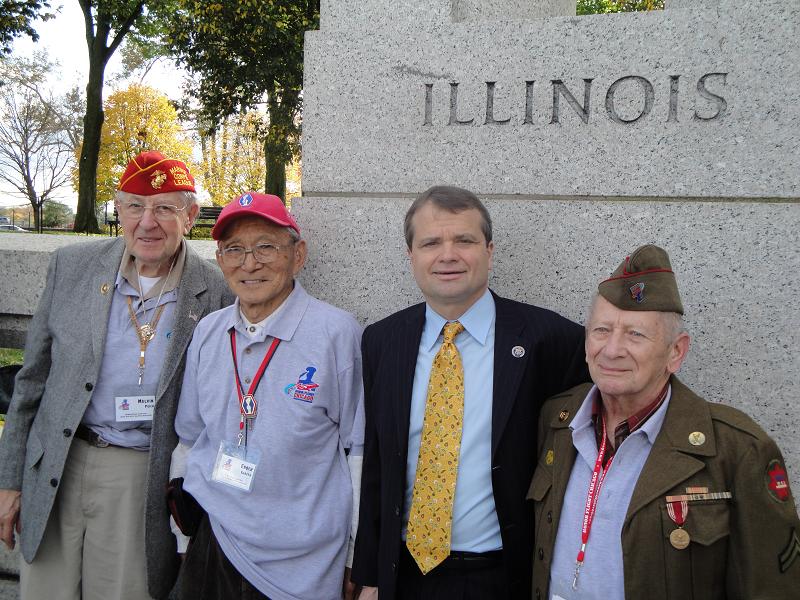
(207, 574)
(454, 579)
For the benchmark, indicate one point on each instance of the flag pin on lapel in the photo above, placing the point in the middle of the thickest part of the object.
(104, 289)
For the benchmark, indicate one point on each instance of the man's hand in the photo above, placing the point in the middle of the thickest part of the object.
(348, 587)
(9, 516)
(368, 593)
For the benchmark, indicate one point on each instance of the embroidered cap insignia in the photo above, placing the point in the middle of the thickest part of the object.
(157, 179)
(637, 292)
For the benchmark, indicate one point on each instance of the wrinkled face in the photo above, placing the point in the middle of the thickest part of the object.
(450, 258)
(261, 287)
(154, 241)
(628, 352)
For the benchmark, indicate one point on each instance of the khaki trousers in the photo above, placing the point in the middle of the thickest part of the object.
(93, 545)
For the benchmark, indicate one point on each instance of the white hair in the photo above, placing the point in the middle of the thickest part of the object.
(188, 198)
(671, 322)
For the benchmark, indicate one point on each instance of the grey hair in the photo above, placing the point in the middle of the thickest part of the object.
(671, 322)
(189, 198)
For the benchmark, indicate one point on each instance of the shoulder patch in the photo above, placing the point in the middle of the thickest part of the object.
(777, 481)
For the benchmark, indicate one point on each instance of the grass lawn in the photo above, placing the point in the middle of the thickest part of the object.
(10, 356)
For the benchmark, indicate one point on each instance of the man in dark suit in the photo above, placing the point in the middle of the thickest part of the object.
(450, 443)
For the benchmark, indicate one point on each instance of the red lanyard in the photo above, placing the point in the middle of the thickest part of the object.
(248, 405)
(595, 484)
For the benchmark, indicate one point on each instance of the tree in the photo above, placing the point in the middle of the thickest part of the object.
(35, 149)
(56, 214)
(137, 119)
(16, 19)
(592, 7)
(106, 23)
(245, 54)
(233, 157)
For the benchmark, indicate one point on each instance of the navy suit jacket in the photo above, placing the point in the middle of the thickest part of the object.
(553, 361)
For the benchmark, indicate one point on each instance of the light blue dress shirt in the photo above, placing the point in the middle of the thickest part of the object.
(475, 524)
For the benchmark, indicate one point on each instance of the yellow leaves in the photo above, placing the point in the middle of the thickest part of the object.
(137, 119)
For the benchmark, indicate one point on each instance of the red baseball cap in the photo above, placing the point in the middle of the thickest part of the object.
(266, 206)
(152, 173)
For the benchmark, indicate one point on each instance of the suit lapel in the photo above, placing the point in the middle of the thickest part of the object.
(102, 293)
(508, 369)
(673, 459)
(407, 350)
(188, 311)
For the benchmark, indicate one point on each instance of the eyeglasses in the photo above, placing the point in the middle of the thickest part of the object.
(234, 256)
(162, 212)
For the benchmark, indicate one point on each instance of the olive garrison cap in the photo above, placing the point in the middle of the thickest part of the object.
(643, 281)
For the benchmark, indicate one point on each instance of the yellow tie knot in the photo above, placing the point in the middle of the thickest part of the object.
(451, 330)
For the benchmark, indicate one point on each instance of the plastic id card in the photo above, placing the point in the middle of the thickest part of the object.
(135, 404)
(236, 466)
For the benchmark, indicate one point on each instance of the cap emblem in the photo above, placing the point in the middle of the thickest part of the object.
(637, 292)
(246, 200)
(157, 179)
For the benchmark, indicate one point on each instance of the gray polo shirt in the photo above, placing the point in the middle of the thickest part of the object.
(288, 535)
(119, 369)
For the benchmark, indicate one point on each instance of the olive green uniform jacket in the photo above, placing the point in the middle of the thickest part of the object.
(744, 548)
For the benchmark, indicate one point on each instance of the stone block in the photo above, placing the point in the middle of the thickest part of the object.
(667, 104)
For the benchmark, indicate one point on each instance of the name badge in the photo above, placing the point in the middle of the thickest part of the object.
(236, 466)
(135, 405)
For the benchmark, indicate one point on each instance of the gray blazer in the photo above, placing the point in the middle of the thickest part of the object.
(63, 353)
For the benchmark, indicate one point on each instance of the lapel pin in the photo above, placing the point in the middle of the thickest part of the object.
(697, 438)
(548, 460)
(104, 289)
(193, 316)
(563, 415)
(518, 351)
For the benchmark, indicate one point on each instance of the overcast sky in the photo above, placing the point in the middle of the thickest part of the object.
(64, 39)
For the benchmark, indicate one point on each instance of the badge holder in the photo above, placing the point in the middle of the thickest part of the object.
(236, 465)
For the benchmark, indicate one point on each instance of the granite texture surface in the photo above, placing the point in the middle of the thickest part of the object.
(738, 268)
(682, 103)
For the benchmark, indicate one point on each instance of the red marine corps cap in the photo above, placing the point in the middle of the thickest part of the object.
(153, 173)
(266, 206)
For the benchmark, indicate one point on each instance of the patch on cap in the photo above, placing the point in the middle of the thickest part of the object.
(246, 200)
(648, 267)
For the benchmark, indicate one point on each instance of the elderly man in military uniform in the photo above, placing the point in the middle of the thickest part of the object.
(84, 458)
(644, 489)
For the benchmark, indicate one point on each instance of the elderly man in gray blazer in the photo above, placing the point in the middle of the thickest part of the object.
(84, 458)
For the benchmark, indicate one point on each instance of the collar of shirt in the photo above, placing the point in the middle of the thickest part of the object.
(290, 311)
(477, 321)
(256, 330)
(650, 427)
(629, 425)
(127, 272)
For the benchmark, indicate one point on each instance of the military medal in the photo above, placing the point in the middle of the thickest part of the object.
(679, 538)
(145, 333)
(248, 405)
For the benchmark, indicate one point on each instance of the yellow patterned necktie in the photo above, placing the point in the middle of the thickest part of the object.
(431, 517)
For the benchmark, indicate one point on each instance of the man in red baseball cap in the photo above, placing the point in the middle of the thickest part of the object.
(85, 453)
(271, 443)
